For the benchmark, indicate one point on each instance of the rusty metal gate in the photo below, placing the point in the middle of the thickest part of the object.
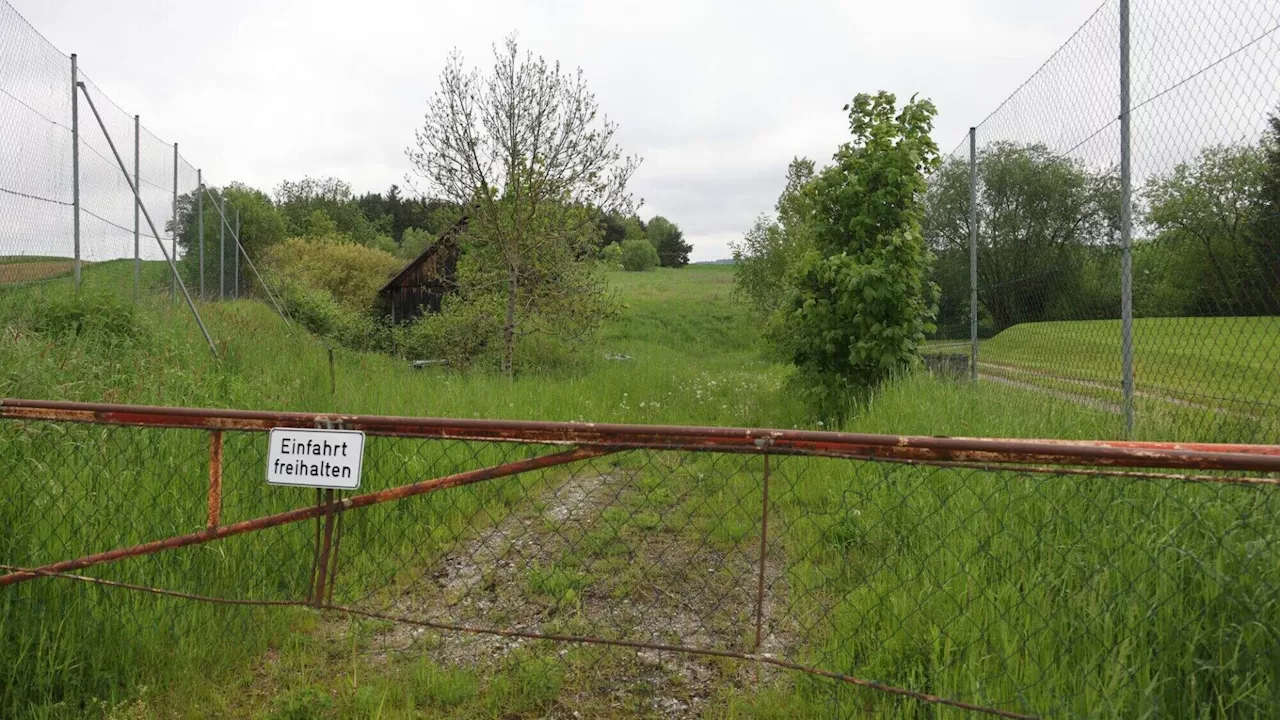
(853, 573)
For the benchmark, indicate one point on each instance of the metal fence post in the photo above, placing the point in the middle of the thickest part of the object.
(222, 249)
(75, 167)
(137, 203)
(973, 254)
(200, 223)
(235, 289)
(1126, 228)
(173, 234)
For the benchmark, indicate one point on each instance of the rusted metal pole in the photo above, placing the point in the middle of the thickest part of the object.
(325, 544)
(764, 546)
(306, 513)
(215, 479)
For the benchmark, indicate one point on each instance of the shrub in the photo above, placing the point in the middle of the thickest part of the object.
(350, 274)
(463, 332)
(611, 256)
(638, 255)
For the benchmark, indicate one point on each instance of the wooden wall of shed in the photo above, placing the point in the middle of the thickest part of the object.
(423, 288)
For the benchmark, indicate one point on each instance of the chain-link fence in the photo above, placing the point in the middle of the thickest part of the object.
(1178, 171)
(651, 570)
(70, 159)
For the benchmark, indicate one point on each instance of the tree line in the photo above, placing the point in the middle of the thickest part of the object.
(1206, 240)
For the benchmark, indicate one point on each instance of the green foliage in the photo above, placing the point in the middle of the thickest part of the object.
(611, 256)
(413, 242)
(762, 260)
(552, 165)
(466, 331)
(667, 238)
(318, 224)
(299, 201)
(1045, 219)
(306, 704)
(443, 688)
(637, 255)
(1205, 214)
(350, 274)
(858, 304)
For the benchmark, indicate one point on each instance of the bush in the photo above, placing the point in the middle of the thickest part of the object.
(638, 255)
(350, 274)
(611, 256)
(460, 334)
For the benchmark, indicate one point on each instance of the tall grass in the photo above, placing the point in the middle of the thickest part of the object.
(1073, 595)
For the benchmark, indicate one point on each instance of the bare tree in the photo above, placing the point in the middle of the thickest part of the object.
(527, 151)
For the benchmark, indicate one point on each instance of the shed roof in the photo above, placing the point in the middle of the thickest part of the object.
(449, 237)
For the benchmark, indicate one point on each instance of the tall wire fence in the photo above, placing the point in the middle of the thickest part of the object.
(67, 199)
(1200, 198)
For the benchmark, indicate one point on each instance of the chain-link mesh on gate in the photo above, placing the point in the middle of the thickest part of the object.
(1205, 168)
(666, 570)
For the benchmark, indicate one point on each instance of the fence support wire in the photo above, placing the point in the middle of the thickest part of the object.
(134, 189)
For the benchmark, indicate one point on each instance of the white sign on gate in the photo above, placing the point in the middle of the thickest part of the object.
(315, 458)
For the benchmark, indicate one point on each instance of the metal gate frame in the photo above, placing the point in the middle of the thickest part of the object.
(591, 440)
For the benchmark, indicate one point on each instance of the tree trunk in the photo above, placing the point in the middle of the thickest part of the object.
(509, 327)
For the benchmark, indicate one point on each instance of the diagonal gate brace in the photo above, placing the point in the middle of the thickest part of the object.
(306, 513)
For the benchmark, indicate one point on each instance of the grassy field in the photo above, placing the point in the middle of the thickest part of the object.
(1215, 376)
(1063, 595)
(30, 268)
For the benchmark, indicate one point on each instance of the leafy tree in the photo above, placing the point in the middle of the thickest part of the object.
(613, 229)
(772, 246)
(858, 303)
(668, 240)
(524, 148)
(299, 200)
(414, 241)
(638, 254)
(1265, 238)
(261, 226)
(1042, 218)
(1207, 214)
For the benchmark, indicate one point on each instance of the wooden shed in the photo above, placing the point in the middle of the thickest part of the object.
(421, 285)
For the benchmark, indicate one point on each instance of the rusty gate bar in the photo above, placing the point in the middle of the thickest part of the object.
(1204, 456)
(215, 479)
(306, 513)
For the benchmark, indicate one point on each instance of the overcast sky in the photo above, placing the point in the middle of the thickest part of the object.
(716, 97)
